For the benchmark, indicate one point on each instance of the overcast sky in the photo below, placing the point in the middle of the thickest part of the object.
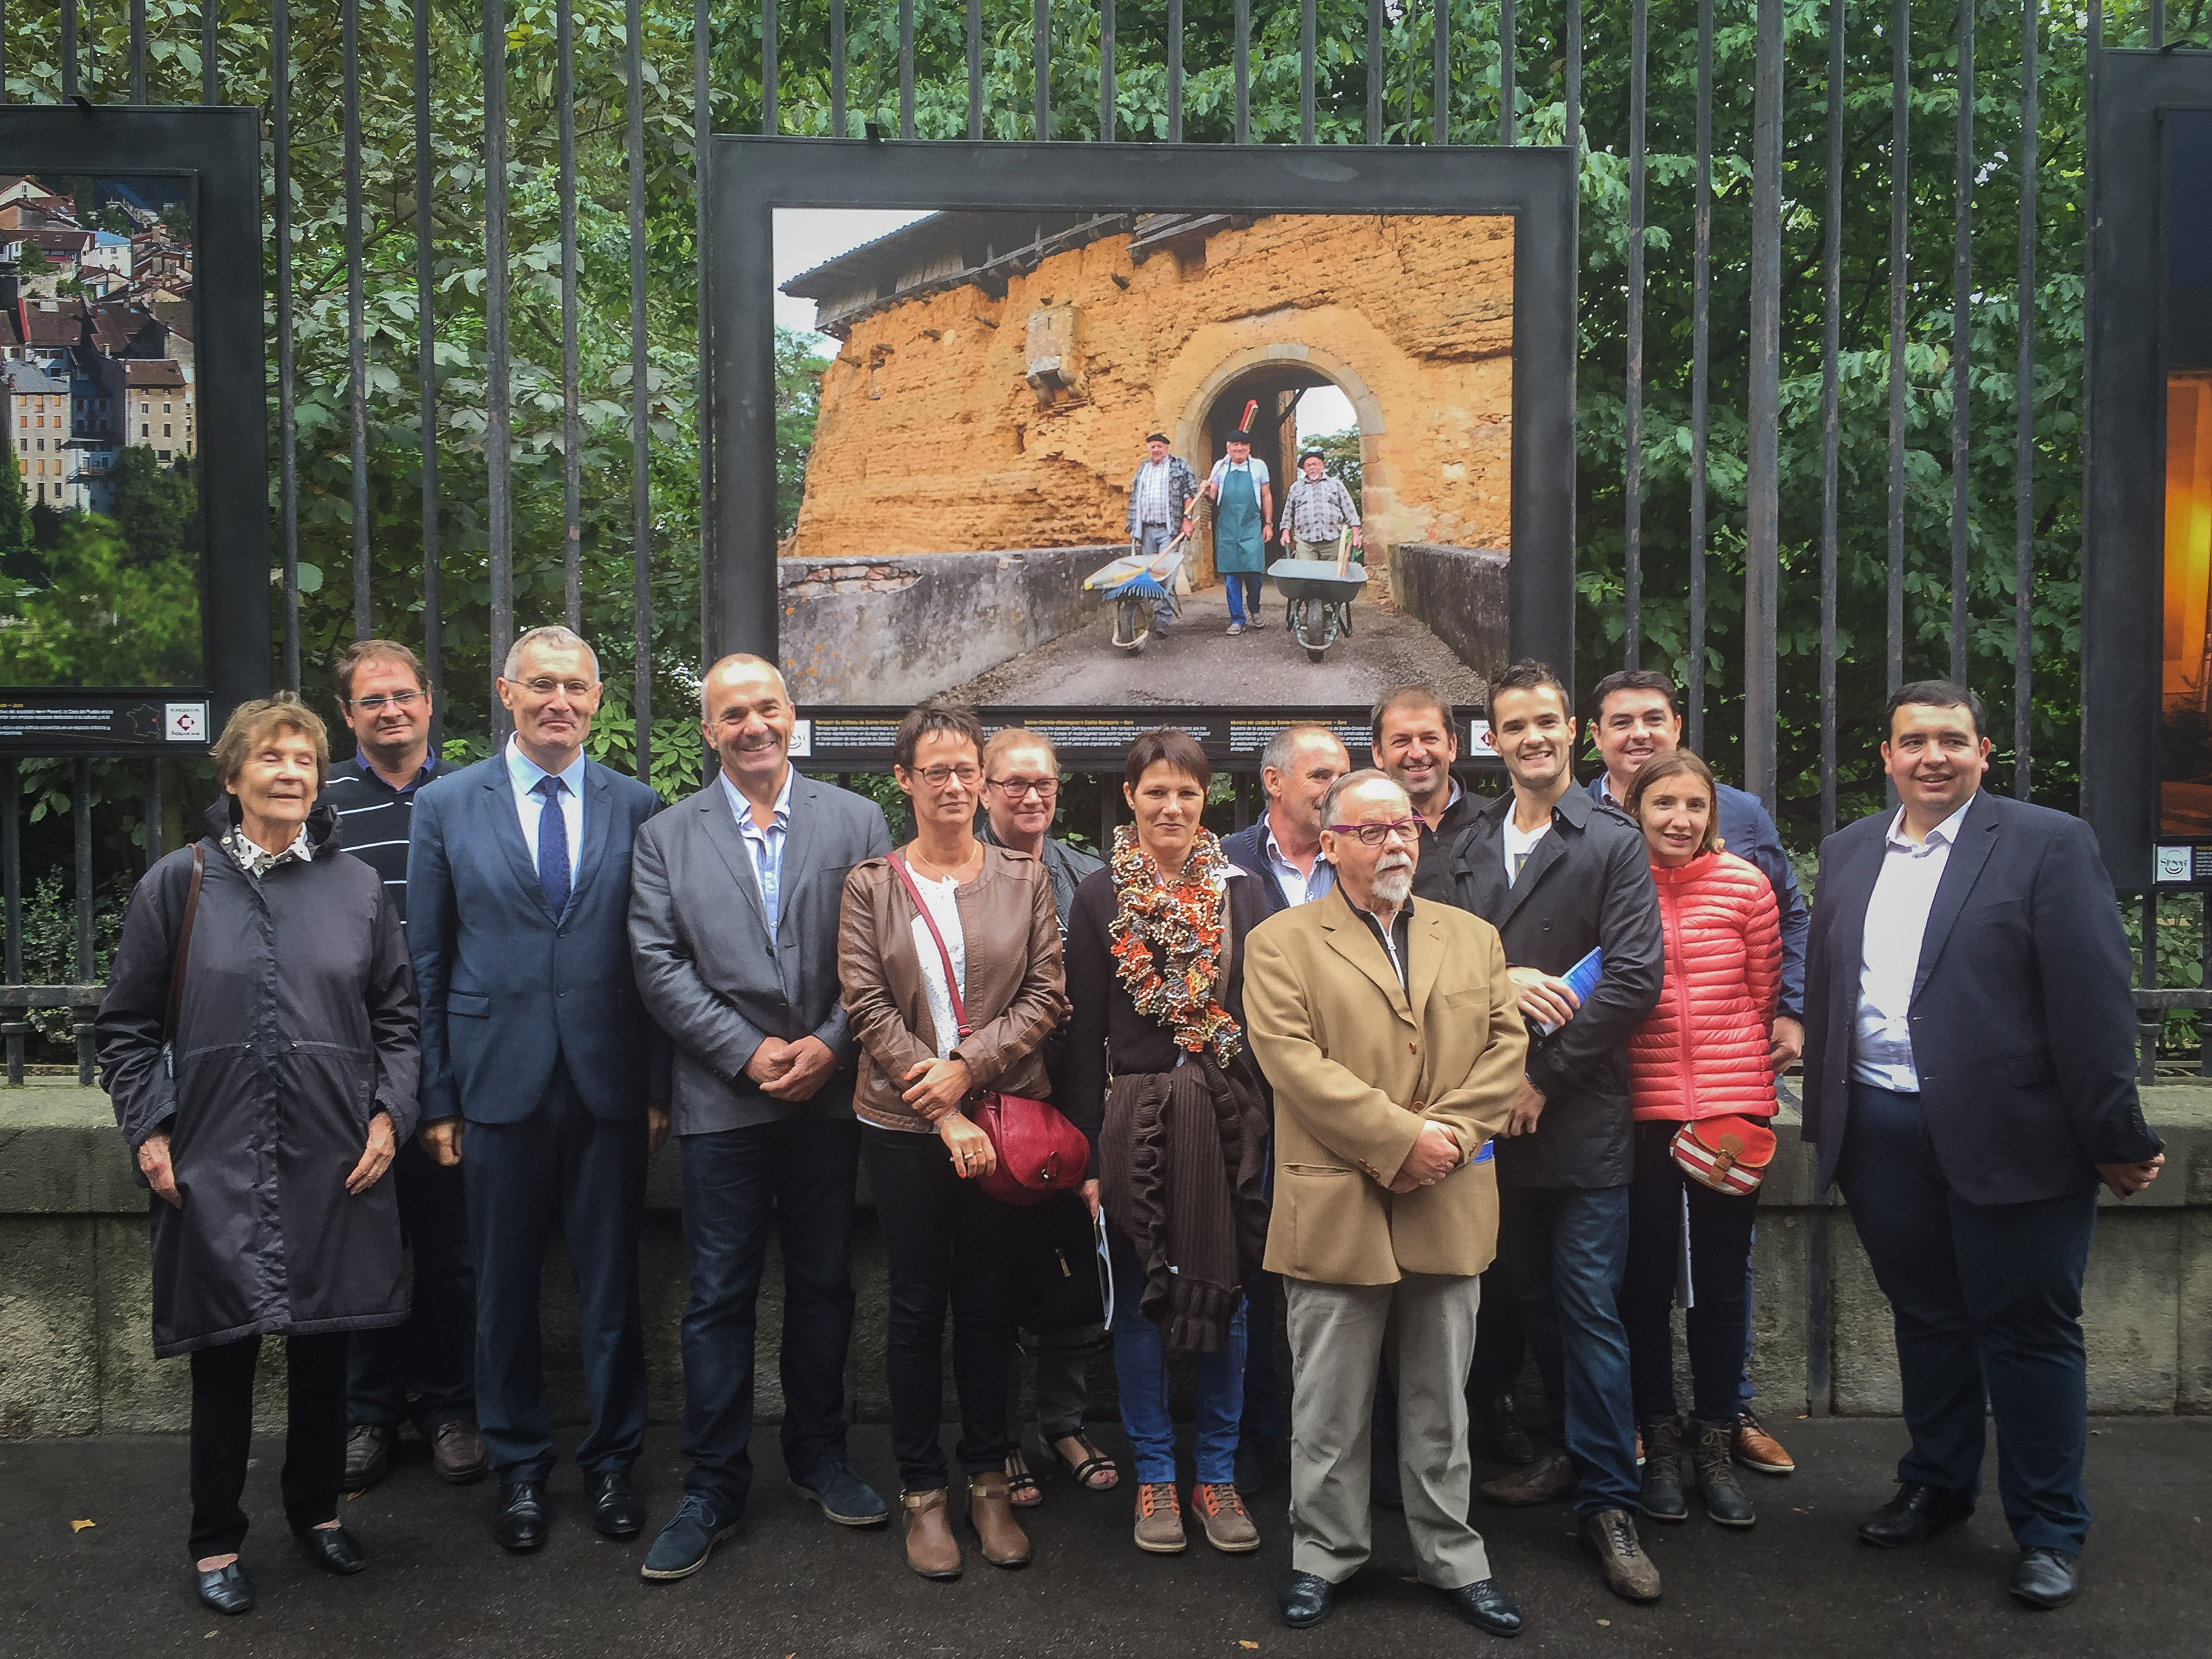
(807, 237)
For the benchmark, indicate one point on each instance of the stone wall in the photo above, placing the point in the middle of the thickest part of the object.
(75, 1357)
(931, 440)
(899, 631)
(1460, 594)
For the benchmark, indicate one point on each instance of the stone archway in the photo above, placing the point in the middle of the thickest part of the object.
(1264, 371)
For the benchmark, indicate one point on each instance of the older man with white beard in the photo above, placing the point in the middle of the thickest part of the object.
(1392, 1040)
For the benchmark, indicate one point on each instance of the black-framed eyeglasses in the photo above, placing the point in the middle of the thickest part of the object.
(377, 705)
(1015, 788)
(1374, 835)
(937, 777)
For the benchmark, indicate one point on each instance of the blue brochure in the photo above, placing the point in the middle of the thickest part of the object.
(1582, 979)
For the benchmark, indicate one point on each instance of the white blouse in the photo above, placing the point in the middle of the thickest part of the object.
(941, 897)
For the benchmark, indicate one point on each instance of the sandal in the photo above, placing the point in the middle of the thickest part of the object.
(1022, 1488)
(1094, 1464)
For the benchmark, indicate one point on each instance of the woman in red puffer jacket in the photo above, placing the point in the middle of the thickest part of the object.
(1702, 1055)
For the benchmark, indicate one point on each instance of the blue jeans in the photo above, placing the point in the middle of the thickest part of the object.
(1565, 1251)
(1141, 1375)
(1243, 594)
(795, 1175)
(1151, 539)
(1987, 1301)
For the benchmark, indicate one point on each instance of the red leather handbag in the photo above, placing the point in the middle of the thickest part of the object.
(1039, 1152)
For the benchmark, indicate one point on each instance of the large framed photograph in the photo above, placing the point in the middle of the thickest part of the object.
(1106, 437)
(134, 563)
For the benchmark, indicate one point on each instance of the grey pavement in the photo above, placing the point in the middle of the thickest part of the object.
(1198, 663)
(790, 1584)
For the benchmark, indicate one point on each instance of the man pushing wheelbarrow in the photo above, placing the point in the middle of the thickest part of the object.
(1317, 577)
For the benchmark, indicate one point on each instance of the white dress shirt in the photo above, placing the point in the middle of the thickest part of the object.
(767, 845)
(1298, 888)
(524, 772)
(1889, 960)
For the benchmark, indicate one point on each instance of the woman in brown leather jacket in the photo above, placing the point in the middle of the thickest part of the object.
(949, 1244)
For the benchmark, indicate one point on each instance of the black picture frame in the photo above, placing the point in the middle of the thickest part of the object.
(750, 177)
(220, 148)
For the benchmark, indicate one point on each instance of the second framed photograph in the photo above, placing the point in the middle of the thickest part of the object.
(1104, 437)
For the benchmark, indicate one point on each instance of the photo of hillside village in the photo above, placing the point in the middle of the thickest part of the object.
(100, 551)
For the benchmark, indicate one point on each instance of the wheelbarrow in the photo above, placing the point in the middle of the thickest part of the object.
(1318, 595)
(1133, 585)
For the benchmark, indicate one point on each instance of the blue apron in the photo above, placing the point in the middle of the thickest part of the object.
(1237, 526)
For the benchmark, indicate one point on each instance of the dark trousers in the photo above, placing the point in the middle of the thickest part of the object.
(949, 1248)
(1501, 1343)
(1718, 1322)
(424, 1370)
(1987, 1300)
(222, 1436)
(797, 1175)
(559, 1166)
(1266, 1409)
(1564, 1250)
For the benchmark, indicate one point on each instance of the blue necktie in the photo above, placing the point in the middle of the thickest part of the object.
(552, 845)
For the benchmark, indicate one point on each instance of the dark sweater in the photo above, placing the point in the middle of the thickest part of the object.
(1105, 1032)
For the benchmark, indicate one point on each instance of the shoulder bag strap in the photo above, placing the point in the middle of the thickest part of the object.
(184, 947)
(951, 979)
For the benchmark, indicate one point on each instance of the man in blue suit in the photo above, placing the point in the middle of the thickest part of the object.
(533, 1037)
(1970, 1080)
(1635, 718)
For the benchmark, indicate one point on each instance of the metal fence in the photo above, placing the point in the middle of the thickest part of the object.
(1433, 71)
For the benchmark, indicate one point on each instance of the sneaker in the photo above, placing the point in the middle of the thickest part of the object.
(1221, 1511)
(1610, 1534)
(367, 1455)
(1235, 628)
(1159, 1519)
(1755, 1448)
(686, 1541)
(844, 1496)
(1257, 624)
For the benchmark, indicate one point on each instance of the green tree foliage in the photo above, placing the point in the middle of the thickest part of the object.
(454, 162)
(798, 369)
(156, 507)
(1340, 453)
(31, 262)
(106, 617)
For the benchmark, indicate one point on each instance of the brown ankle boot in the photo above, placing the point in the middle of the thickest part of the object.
(991, 1512)
(931, 1548)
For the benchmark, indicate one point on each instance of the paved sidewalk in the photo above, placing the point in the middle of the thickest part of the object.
(1797, 1585)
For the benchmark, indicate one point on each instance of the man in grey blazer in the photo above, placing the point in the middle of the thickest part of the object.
(734, 896)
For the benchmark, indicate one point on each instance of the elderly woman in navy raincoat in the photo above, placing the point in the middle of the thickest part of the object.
(263, 1100)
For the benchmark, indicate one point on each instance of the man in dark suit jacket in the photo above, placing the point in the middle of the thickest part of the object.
(518, 901)
(733, 906)
(1283, 849)
(1558, 876)
(1970, 1079)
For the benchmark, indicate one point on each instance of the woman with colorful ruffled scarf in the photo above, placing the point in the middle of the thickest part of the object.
(1158, 1073)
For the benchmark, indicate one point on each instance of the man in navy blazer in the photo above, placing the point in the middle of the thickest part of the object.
(1969, 1080)
(533, 1037)
(733, 912)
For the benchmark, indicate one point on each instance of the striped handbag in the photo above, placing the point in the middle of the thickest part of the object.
(1728, 1154)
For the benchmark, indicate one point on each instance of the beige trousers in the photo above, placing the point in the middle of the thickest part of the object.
(1339, 1334)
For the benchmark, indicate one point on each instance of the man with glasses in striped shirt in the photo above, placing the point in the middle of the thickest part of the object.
(424, 1370)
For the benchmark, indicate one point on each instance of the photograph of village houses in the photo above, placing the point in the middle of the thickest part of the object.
(100, 547)
(1028, 458)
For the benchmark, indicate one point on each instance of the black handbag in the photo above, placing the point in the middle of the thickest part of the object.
(1059, 1277)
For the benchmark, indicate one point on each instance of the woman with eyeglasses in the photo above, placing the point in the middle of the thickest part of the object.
(1021, 798)
(1157, 1073)
(985, 913)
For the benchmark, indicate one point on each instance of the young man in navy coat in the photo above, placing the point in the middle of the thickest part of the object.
(1970, 1080)
(542, 1076)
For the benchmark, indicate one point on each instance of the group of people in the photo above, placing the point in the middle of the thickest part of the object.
(1461, 1081)
(1318, 515)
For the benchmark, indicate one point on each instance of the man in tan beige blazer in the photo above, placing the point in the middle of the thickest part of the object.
(1391, 1039)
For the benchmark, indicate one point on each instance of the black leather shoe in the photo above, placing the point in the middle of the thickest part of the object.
(616, 1512)
(1306, 1600)
(519, 1523)
(227, 1589)
(1503, 1437)
(1661, 1498)
(2046, 1577)
(1256, 1454)
(1714, 1456)
(1485, 1606)
(1916, 1513)
(333, 1549)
